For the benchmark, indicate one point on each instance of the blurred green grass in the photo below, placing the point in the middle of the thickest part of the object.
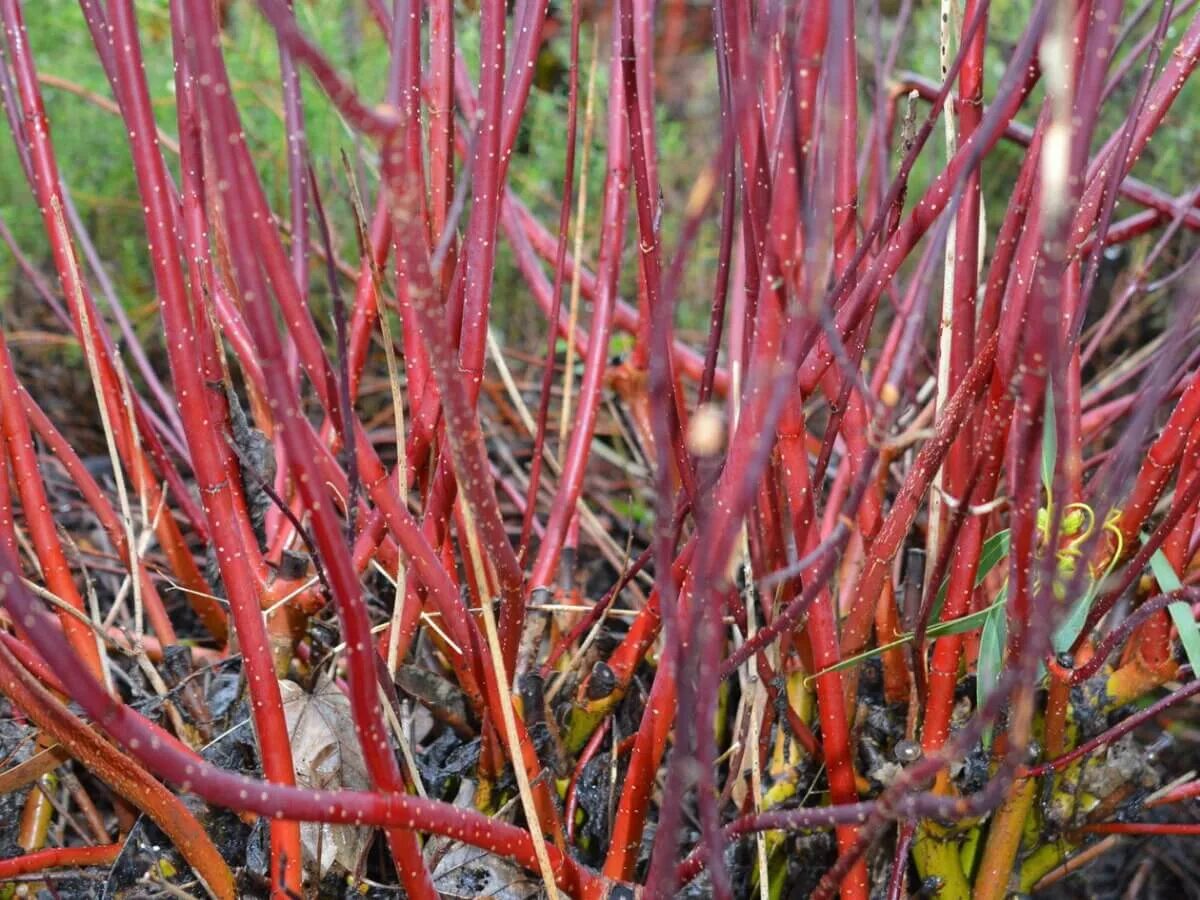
(92, 151)
(94, 160)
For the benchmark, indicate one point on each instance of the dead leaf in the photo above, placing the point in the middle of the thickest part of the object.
(32, 769)
(466, 871)
(327, 756)
(460, 870)
(444, 700)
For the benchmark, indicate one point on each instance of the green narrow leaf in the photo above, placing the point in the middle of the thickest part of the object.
(994, 549)
(1049, 444)
(854, 660)
(991, 649)
(955, 626)
(966, 623)
(1181, 611)
(1068, 630)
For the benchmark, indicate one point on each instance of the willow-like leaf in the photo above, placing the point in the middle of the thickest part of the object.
(1181, 611)
(954, 626)
(994, 549)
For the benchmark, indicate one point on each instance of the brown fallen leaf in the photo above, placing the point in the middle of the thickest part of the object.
(327, 756)
(461, 871)
(465, 871)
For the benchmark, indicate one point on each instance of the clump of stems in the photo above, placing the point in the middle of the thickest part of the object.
(920, 442)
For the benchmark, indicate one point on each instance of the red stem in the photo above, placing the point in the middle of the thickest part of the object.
(60, 858)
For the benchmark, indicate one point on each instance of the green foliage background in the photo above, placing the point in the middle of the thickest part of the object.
(94, 158)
